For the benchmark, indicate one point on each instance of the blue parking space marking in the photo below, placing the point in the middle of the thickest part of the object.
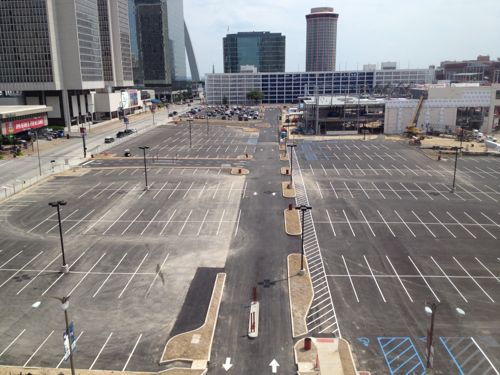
(401, 355)
(466, 356)
(459, 368)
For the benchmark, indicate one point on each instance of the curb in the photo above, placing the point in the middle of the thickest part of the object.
(306, 267)
(236, 171)
(286, 191)
(290, 214)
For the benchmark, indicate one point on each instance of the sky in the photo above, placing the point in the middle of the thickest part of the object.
(414, 33)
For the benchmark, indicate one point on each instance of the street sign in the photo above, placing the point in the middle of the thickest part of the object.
(66, 340)
(125, 120)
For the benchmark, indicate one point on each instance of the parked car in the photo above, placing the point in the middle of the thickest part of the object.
(121, 134)
(109, 140)
(127, 153)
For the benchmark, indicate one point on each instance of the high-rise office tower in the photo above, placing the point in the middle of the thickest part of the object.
(175, 11)
(52, 51)
(115, 42)
(263, 50)
(321, 43)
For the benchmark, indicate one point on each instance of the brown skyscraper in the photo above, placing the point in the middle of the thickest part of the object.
(321, 44)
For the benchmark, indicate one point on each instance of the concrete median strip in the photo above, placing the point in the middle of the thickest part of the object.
(288, 192)
(285, 171)
(245, 157)
(283, 157)
(9, 370)
(326, 356)
(195, 346)
(239, 171)
(292, 222)
(300, 292)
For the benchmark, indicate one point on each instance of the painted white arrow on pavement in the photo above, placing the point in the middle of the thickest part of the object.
(228, 364)
(274, 366)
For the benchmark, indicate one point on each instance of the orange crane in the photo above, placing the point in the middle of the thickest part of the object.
(412, 129)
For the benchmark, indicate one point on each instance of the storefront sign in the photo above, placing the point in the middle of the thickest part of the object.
(18, 126)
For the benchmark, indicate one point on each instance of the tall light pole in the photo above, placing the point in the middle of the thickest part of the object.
(430, 310)
(65, 305)
(190, 121)
(292, 146)
(38, 153)
(456, 160)
(206, 113)
(303, 208)
(144, 148)
(58, 204)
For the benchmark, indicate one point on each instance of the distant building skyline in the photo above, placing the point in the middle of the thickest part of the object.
(263, 50)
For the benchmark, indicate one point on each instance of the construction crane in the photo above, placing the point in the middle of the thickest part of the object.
(412, 129)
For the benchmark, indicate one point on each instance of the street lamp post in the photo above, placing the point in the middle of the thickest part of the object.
(144, 148)
(206, 114)
(58, 204)
(65, 305)
(190, 121)
(303, 208)
(456, 160)
(38, 153)
(292, 146)
(430, 310)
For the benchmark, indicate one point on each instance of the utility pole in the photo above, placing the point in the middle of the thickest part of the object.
(38, 153)
(144, 148)
(303, 208)
(190, 142)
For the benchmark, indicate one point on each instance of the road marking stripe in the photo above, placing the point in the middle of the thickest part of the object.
(220, 222)
(385, 222)
(444, 226)
(394, 191)
(350, 279)
(7, 262)
(79, 221)
(37, 349)
(111, 273)
(36, 226)
(12, 342)
(474, 280)
(22, 268)
(367, 223)
(486, 230)
(485, 356)
(425, 280)
(185, 222)
(133, 275)
(350, 226)
(100, 351)
(168, 221)
(468, 231)
(76, 340)
(159, 270)
(451, 282)
(400, 281)
(85, 276)
(425, 225)
(374, 279)
(38, 274)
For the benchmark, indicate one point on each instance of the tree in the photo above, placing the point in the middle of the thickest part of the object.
(255, 95)
(224, 100)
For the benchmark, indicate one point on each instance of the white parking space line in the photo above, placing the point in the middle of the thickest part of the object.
(480, 225)
(22, 268)
(347, 156)
(36, 226)
(324, 170)
(423, 170)
(486, 268)
(386, 170)
(348, 222)
(386, 224)
(408, 191)
(188, 190)
(474, 280)
(37, 349)
(132, 276)
(350, 279)
(173, 191)
(168, 222)
(319, 190)
(485, 356)
(349, 190)
(146, 190)
(220, 222)
(311, 168)
(62, 274)
(159, 269)
(202, 222)
(38, 274)
(89, 190)
(374, 171)
(132, 222)
(362, 171)
(117, 190)
(109, 275)
(159, 191)
(425, 225)
(63, 220)
(79, 221)
(471, 171)
(404, 222)
(119, 174)
(367, 223)
(444, 226)
(85, 275)
(498, 225)
(98, 221)
(103, 190)
(448, 278)
(423, 191)
(364, 191)
(463, 227)
(375, 279)
(411, 170)
(376, 188)
(400, 281)
(149, 223)
(467, 192)
(397, 170)
(424, 279)
(436, 190)
(336, 170)
(331, 224)
(346, 167)
(100, 351)
(394, 191)
(8, 261)
(334, 191)
(12, 342)
(216, 190)
(185, 222)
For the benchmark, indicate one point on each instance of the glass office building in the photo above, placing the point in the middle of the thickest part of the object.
(263, 50)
